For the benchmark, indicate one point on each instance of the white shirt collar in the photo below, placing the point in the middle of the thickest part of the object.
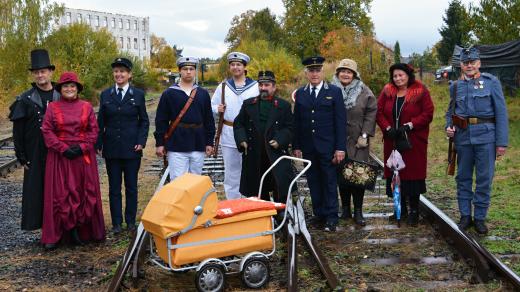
(318, 88)
(125, 89)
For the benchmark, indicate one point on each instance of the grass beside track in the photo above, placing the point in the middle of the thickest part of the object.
(504, 213)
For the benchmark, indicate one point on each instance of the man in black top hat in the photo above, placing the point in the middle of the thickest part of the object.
(263, 131)
(27, 113)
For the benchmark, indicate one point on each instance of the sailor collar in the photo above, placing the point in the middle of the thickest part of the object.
(249, 83)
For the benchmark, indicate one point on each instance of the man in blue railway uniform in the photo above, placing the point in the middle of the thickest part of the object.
(320, 136)
(184, 122)
(477, 119)
(236, 89)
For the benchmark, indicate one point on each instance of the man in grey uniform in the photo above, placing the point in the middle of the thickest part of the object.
(477, 119)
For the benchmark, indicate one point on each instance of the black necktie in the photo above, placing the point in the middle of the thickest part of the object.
(120, 93)
(313, 92)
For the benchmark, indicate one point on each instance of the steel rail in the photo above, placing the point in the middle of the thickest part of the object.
(485, 263)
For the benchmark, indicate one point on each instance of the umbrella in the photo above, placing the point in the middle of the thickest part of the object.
(396, 163)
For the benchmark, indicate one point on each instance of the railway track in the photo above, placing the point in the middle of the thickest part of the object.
(8, 162)
(382, 256)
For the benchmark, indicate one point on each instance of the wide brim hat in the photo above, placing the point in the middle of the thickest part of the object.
(348, 64)
(69, 77)
(40, 60)
(266, 76)
(315, 61)
(122, 62)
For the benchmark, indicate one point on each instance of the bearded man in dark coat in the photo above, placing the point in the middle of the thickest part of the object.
(263, 131)
(27, 114)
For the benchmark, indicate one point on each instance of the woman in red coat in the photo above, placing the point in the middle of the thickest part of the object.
(72, 198)
(404, 113)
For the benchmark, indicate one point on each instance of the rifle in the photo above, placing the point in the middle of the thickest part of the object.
(220, 120)
(452, 158)
(452, 152)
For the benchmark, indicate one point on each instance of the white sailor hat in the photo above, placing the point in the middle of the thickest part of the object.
(238, 57)
(187, 61)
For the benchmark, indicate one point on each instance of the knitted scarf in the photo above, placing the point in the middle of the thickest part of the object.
(350, 92)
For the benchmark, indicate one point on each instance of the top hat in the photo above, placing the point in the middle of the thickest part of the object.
(68, 77)
(266, 76)
(469, 54)
(348, 64)
(122, 62)
(316, 61)
(40, 60)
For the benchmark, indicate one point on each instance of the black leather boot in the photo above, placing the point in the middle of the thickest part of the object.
(413, 217)
(465, 222)
(480, 227)
(75, 237)
(345, 203)
(358, 207)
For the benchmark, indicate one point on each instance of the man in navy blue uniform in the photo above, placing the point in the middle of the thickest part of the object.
(477, 119)
(193, 136)
(320, 136)
(123, 130)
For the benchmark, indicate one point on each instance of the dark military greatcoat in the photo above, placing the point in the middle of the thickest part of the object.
(27, 114)
(260, 155)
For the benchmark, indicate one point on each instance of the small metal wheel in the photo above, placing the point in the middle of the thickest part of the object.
(255, 273)
(211, 278)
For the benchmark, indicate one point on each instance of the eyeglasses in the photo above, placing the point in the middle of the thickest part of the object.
(471, 62)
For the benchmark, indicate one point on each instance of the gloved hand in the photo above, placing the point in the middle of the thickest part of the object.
(403, 129)
(274, 144)
(73, 152)
(391, 133)
(362, 142)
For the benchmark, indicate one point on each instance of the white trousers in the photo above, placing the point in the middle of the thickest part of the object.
(232, 171)
(181, 162)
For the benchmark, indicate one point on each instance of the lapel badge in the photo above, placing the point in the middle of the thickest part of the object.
(329, 97)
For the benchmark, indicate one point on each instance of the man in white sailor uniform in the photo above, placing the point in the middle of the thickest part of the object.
(237, 89)
(193, 136)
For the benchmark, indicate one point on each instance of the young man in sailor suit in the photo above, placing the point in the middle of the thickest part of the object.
(193, 136)
(237, 89)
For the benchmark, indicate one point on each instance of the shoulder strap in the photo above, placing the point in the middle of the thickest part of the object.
(179, 117)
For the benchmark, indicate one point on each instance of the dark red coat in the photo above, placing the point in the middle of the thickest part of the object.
(418, 109)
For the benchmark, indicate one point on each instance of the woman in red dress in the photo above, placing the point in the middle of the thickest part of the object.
(72, 198)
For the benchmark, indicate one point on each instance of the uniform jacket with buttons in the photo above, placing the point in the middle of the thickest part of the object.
(319, 122)
(481, 97)
(185, 139)
(278, 127)
(122, 123)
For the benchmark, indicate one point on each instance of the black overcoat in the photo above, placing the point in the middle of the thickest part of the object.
(278, 127)
(27, 114)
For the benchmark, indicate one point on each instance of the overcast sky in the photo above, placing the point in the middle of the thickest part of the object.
(200, 26)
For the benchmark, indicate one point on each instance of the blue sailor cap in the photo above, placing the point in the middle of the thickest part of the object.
(315, 61)
(124, 62)
(187, 61)
(469, 54)
(238, 57)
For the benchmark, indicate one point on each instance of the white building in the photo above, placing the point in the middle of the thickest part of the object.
(131, 33)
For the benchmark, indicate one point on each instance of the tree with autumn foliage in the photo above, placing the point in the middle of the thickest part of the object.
(372, 57)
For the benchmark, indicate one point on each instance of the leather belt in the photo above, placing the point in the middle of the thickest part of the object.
(473, 120)
(189, 126)
(228, 123)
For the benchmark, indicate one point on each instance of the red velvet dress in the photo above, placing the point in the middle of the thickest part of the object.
(72, 196)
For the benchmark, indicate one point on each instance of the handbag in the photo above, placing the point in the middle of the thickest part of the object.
(360, 174)
(402, 143)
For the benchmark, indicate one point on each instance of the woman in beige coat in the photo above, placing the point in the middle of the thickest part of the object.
(361, 108)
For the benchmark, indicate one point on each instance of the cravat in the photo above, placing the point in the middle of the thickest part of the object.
(313, 92)
(120, 93)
